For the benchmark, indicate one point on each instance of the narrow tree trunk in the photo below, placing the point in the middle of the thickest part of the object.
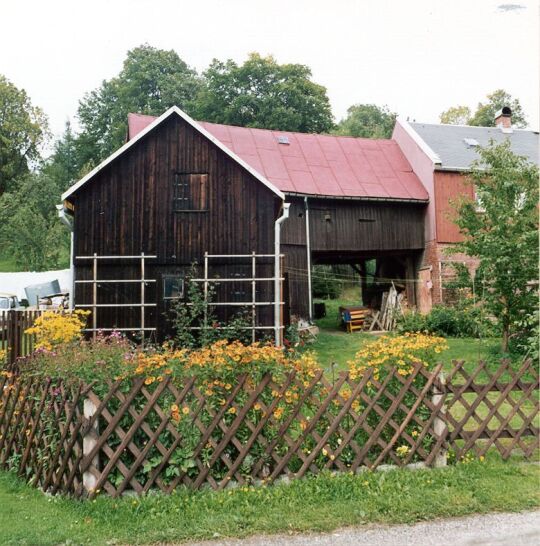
(505, 338)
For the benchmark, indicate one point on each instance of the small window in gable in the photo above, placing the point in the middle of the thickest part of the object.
(190, 192)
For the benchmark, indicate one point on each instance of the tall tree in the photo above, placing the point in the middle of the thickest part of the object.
(456, 115)
(262, 93)
(367, 121)
(504, 235)
(62, 166)
(485, 112)
(484, 116)
(150, 81)
(23, 128)
(30, 231)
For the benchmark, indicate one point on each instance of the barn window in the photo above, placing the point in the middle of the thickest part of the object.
(190, 192)
(173, 287)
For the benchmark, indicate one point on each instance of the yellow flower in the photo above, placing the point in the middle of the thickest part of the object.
(403, 451)
(149, 380)
(185, 410)
(231, 410)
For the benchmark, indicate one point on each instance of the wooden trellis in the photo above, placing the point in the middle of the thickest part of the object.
(253, 304)
(95, 282)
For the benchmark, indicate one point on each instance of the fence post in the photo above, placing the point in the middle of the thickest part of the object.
(89, 442)
(439, 423)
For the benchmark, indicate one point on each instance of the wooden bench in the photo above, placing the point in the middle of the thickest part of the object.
(355, 319)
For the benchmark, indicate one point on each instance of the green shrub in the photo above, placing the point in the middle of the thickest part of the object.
(461, 321)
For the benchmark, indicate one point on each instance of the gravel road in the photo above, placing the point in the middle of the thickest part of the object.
(522, 529)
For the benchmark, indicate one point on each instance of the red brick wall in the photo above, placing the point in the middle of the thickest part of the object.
(436, 253)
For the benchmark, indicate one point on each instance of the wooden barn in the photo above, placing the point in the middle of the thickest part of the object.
(253, 208)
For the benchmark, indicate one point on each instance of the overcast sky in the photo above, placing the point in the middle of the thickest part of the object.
(417, 56)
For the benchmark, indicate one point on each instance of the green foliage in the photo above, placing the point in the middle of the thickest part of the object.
(195, 311)
(484, 116)
(485, 112)
(262, 93)
(526, 340)
(367, 121)
(325, 283)
(151, 81)
(29, 227)
(461, 321)
(456, 115)
(23, 128)
(504, 236)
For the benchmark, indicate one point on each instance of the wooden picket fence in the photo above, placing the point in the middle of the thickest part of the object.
(13, 325)
(81, 440)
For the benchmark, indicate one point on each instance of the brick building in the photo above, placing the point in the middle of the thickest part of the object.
(441, 156)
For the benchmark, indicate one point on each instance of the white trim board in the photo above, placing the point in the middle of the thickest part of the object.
(151, 127)
(422, 144)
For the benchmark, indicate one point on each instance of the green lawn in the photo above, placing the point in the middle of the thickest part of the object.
(8, 265)
(333, 344)
(323, 503)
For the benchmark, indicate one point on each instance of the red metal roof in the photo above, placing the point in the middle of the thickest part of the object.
(314, 164)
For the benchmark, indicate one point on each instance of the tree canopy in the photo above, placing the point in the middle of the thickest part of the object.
(367, 121)
(151, 81)
(484, 116)
(503, 234)
(262, 93)
(23, 128)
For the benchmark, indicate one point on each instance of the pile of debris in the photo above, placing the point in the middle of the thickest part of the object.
(392, 305)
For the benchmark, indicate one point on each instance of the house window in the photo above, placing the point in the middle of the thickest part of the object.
(190, 192)
(478, 202)
(173, 287)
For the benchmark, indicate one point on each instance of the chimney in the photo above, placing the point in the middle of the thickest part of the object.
(503, 119)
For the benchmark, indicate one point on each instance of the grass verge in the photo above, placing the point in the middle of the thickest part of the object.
(319, 503)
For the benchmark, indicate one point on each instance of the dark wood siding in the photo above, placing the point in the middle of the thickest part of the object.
(344, 231)
(127, 208)
(337, 225)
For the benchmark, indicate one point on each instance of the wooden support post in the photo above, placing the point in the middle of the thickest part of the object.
(281, 303)
(205, 323)
(440, 426)
(89, 443)
(253, 295)
(94, 298)
(142, 298)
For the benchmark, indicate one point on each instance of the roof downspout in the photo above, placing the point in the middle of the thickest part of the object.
(68, 222)
(277, 274)
(308, 255)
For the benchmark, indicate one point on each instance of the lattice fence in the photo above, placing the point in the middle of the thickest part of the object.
(135, 437)
(493, 408)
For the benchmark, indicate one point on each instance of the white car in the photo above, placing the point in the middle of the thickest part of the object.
(9, 301)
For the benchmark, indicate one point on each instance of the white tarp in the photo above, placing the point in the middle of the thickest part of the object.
(14, 283)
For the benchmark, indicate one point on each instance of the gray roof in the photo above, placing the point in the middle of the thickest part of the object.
(447, 141)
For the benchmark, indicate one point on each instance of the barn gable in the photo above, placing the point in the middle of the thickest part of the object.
(149, 127)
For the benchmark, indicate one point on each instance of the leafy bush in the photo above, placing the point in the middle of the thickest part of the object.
(197, 310)
(460, 321)
(526, 341)
(53, 329)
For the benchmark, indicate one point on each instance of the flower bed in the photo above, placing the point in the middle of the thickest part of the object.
(107, 415)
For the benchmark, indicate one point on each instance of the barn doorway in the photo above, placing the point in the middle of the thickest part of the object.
(364, 280)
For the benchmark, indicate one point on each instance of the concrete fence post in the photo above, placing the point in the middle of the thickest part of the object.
(90, 439)
(439, 423)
